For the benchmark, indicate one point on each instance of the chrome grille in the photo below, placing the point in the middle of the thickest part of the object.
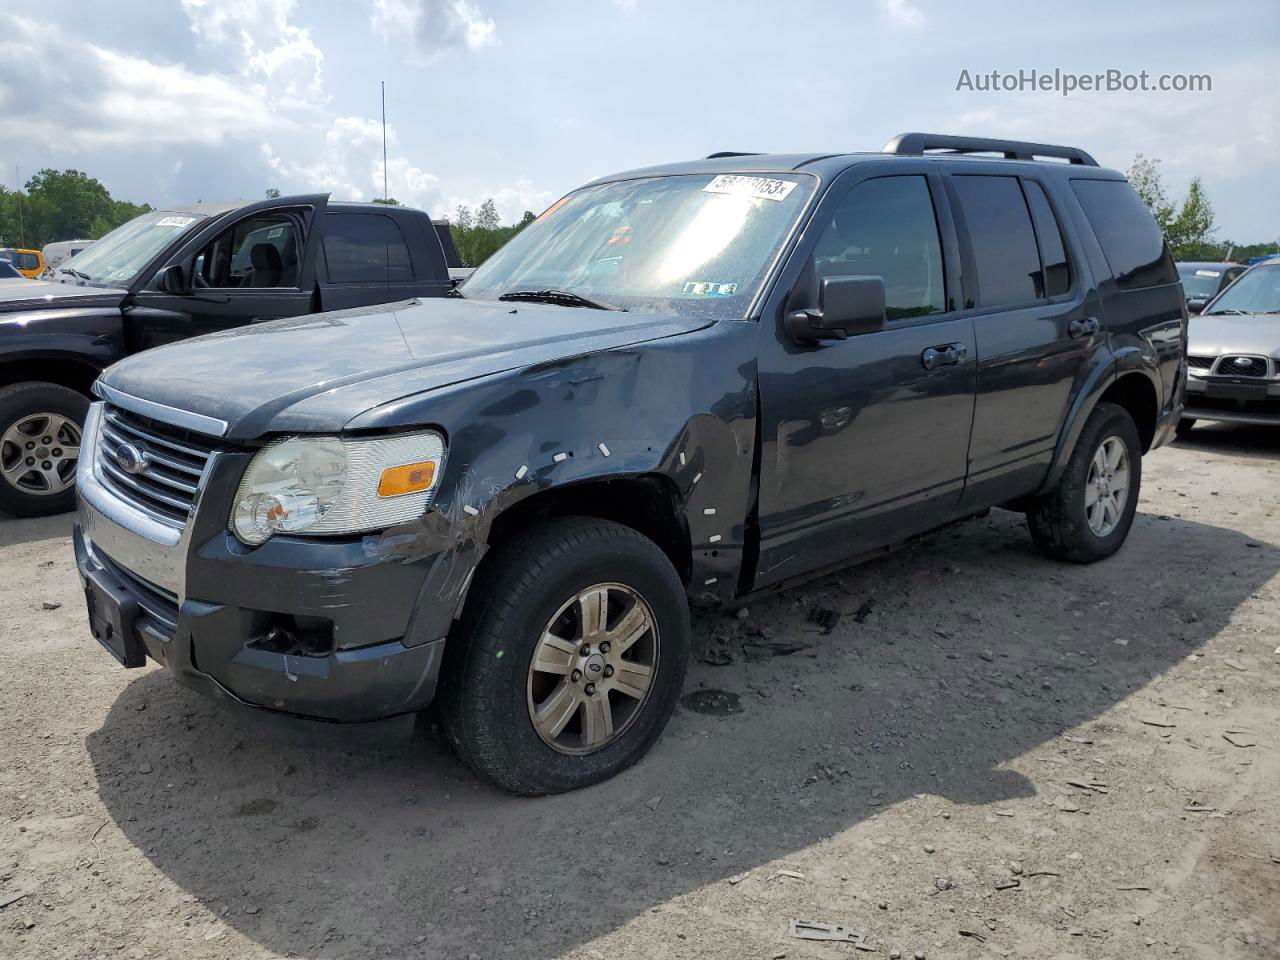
(1233, 366)
(1200, 363)
(165, 486)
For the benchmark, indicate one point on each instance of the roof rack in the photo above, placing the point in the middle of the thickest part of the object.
(730, 153)
(917, 144)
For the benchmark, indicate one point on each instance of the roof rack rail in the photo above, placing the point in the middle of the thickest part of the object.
(917, 144)
(731, 153)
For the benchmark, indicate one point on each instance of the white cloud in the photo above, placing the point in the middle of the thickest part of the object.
(431, 28)
(270, 48)
(902, 15)
(90, 97)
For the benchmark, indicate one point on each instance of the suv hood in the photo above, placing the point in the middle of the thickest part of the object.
(315, 373)
(49, 294)
(1212, 335)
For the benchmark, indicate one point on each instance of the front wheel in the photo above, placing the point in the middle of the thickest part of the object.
(40, 428)
(1087, 516)
(568, 661)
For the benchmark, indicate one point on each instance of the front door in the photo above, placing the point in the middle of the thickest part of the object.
(865, 440)
(249, 270)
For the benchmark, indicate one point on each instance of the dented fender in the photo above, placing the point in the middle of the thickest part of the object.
(679, 408)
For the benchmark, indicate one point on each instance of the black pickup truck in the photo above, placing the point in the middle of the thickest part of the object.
(172, 274)
(685, 383)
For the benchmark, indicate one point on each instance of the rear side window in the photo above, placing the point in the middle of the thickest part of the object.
(1003, 242)
(886, 228)
(365, 248)
(1055, 277)
(1130, 240)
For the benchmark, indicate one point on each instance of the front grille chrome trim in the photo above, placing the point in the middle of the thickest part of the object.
(185, 419)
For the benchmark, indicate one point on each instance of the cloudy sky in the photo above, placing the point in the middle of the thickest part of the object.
(522, 100)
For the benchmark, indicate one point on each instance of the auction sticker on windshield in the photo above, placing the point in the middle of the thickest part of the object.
(759, 188)
(174, 221)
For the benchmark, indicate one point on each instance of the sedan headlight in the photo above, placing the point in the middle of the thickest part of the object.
(328, 485)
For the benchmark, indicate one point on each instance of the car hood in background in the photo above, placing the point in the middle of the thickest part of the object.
(50, 294)
(315, 373)
(1218, 334)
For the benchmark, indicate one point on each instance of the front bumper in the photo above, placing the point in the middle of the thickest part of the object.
(1213, 398)
(327, 629)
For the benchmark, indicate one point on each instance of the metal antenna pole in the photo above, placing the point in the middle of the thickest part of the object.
(384, 139)
(22, 233)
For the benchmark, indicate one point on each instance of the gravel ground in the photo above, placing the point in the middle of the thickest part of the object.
(988, 754)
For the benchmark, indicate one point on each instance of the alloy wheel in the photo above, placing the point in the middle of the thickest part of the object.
(38, 453)
(1107, 488)
(593, 668)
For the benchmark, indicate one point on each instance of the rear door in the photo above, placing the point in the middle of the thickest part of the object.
(371, 257)
(1033, 326)
(864, 440)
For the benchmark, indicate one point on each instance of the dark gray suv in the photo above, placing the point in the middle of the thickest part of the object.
(686, 383)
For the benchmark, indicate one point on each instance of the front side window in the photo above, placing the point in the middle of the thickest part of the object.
(1130, 240)
(122, 254)
(259, 253)
(1001, 238)
(694, 245)
(365, 248)
(1257, 291)
(886, 228)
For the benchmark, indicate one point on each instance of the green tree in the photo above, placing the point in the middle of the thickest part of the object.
(1187, 226)
(389, 201)
(61, 205)
(273, 193)
(487, 216)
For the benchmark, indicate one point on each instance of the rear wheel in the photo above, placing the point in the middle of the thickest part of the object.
(40, 430)
(568, 661)
(1087, 516)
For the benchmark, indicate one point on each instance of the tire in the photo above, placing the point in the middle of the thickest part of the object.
(22, 405)
(529, 585)
(1060, 521)
(1184, 427)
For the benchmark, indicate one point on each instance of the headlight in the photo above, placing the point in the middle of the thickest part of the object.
(326, 485)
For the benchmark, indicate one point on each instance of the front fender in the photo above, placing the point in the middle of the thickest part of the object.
(682, 409)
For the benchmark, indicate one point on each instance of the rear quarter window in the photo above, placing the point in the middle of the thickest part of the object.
(1130, 240)
(365, 248)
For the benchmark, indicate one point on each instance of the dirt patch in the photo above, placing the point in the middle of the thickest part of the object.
(971, 752)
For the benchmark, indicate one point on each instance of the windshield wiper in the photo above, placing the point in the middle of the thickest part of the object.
(563, 298)
(1231, 310)
(75, 273)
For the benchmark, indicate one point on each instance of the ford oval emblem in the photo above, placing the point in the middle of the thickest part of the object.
(131, 459)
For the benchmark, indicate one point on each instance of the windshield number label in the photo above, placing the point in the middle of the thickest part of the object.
(758, 188)
(174, 221)
(1208, 273)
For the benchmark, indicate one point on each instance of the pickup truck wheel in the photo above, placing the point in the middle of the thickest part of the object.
(569, 658)
(40, 428)
(1087, 516)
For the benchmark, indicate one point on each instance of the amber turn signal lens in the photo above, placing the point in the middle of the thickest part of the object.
(410, 478)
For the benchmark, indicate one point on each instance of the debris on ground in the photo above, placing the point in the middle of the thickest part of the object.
(818, 930)
(1240, 738)
(864, 611)
(712, 703)
(786, 875)
(763, 651)
(13, 898)
(824, 617)
(50, 605)
(653, 802)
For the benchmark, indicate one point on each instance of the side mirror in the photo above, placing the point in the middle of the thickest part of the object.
(847, 307)
(173, 279)
(1197, 304)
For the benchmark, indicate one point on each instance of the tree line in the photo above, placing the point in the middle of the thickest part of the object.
(71, 205)
(60, 205)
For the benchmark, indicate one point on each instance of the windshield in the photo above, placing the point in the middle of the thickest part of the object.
(120, 256)
(687, 245)
(1257, 291)
(1199, 282)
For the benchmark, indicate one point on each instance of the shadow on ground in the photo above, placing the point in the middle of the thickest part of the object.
(976, 650)
(1232, 438)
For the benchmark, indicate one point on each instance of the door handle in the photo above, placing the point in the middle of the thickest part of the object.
(945, 355)
(1083, 328)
